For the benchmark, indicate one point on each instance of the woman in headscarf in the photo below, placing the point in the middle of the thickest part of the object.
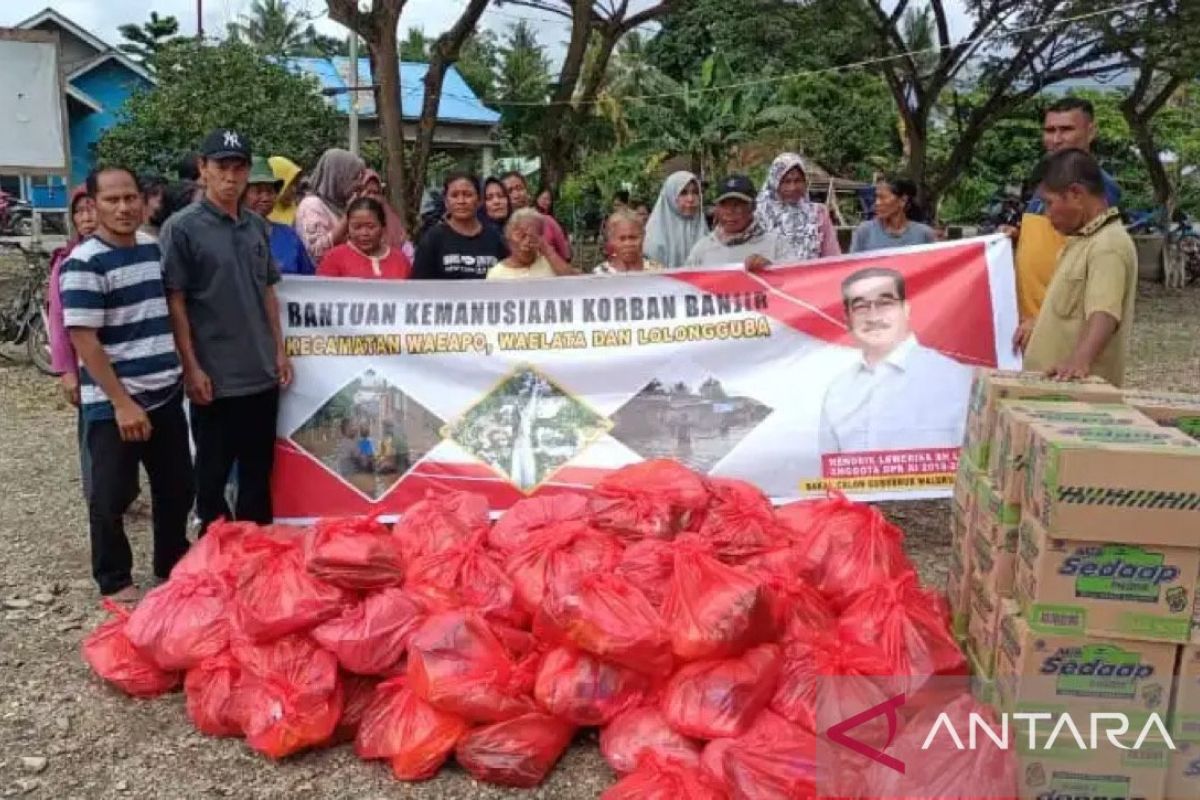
(677, 221)
(321, 214)
(289, 172)
(783, 207)
(497, 207)
(395, 235)
(63, 360)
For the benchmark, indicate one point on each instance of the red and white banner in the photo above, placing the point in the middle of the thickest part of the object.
(851, 372)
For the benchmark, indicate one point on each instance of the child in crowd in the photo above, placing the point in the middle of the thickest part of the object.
(365, 254)
(529, 255)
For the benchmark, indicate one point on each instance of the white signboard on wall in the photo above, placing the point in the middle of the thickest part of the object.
(33, 137)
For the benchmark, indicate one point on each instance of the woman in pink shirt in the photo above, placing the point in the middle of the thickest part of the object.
(63, 360)
(321, 215)
(367, 254)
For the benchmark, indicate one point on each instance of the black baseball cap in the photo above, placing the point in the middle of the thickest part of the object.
(226, 143)
(737, 187)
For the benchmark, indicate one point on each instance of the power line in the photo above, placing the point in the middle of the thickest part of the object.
(869, 62)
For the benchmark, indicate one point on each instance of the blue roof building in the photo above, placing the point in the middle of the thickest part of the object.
(464, 123)
(99, 79)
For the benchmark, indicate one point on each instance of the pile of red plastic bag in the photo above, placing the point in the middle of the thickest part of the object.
(684, 617)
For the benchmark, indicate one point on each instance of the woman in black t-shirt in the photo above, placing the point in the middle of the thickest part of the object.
(460, 247)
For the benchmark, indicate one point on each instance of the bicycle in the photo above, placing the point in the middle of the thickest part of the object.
(24, 319)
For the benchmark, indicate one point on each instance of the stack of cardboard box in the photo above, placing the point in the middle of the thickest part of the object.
(1076, 528)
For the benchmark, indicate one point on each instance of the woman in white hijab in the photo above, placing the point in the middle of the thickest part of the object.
(677, 221)
(783, 207)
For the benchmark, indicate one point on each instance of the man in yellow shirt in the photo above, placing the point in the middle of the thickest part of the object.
(1069, 124)
(1084, 324)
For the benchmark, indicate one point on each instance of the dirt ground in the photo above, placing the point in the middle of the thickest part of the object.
(65, 735)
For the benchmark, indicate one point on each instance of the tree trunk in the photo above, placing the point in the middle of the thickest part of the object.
(443, 53)
(386, 64)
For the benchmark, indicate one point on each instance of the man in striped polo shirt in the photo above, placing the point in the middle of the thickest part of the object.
(115, 309)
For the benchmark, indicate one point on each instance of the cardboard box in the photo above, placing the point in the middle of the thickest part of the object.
(1080, 675)
(1103, 588)
(1065, 772)
(1183, 771)
(1172, 409)
(994, 557)
(1115, 484)
(983, 626)
(1185, 712)
(964, 481)
(1006, 463)
(958, 588)
(992, 514)
(992, 386)
(983, 688)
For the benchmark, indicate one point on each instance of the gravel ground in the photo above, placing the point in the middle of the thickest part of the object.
(65, 735)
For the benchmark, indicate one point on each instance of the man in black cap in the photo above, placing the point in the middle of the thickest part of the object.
(738, 238)
(220, 278)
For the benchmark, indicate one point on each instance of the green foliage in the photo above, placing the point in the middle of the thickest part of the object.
(524, 77)
(277, 28)
(142, 42)
(202, 87)
(584, 197)
(415, 46)
(478, 62)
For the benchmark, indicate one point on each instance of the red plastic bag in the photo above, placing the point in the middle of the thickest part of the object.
(527, 518)
(276, 595)
(811, 661)
(801, 610)
(517, 752)
(657, 498)
(983, 770)
(358, 692)
(183, 621)
(909, 625)
(581, 689)
(766, 726)
(782, 768)
(740, 521)
(371, 638)
(400, 726)
(209, 689)
(713, 610)
(218, 552)
(850, 546)
(288, 698)
(465, 575)
(439, 521)
(355, 553)
(113, 657)
(648, 565)
(714, 699)
(658, 779)
(559, 555)
(636, 733)
(607, 616)
(456, 663)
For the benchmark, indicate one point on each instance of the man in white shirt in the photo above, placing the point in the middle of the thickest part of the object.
(900, 395)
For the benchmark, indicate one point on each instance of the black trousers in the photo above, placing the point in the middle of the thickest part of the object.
(113, 470)
(229, 430)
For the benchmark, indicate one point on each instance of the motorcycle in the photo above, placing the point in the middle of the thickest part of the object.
(24, 319)
(16, 216)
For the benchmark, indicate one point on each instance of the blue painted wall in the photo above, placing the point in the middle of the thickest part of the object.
(110, 85)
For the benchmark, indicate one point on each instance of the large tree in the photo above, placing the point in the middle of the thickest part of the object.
(522, 84)
(142, 42)
(202, 87)
(377, 24)
(415, 46)
(1162, 41)
(278, 28)
(1013, 51)
(479, 62)
(596, 27)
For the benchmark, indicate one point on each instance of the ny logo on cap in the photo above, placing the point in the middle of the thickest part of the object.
(232, 140)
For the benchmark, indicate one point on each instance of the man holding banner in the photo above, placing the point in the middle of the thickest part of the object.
(900, 395)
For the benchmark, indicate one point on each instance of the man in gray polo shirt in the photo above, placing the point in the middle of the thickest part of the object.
(220, 278)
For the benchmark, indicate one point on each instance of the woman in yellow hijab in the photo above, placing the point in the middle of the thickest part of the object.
(285, 170)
